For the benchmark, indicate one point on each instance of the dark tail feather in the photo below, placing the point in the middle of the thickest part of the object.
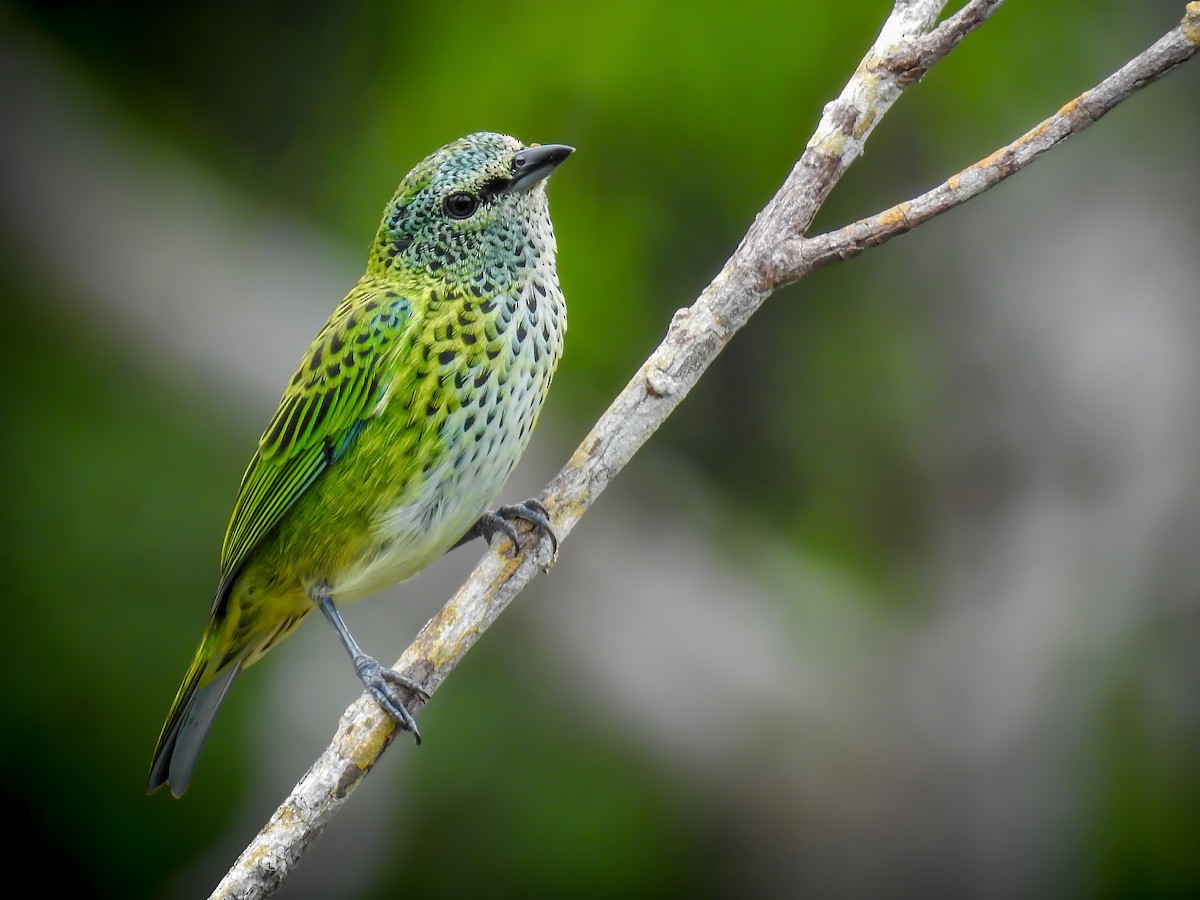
(184, 734)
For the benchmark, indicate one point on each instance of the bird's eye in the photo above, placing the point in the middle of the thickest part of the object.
(461, 206)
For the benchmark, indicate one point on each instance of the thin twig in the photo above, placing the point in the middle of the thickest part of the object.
(799, 257)
(773, 253)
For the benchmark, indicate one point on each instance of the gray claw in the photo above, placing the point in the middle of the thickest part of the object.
(533, 512)
(383, 683)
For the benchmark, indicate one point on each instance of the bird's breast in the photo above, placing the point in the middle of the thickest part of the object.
(479, 374)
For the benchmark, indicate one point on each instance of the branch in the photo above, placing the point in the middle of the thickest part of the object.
(773, 253)
(798, 257)
(903, 52)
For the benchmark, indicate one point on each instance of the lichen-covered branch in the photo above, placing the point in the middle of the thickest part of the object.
(773, 253)
(798, 257)
(905, 49)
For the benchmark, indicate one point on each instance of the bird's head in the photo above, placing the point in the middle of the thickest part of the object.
(472, 214)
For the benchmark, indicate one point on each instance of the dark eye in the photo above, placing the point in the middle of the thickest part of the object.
(461, 206)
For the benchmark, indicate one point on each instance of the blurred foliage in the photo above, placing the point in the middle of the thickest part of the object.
(687, 117)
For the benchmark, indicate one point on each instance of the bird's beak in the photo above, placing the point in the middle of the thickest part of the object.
(533, 164)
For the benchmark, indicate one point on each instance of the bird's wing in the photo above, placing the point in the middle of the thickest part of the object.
(335, 391)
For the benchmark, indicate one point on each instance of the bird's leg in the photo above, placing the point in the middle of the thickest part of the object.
(501, 521)
(381, 681)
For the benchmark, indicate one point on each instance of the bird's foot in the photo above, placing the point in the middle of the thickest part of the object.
(385, 685)
(501, 520)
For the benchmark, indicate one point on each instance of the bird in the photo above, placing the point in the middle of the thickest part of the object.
(399, 428)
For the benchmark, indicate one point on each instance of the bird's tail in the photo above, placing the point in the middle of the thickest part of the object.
(191, 717)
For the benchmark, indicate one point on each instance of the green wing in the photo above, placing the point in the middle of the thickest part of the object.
(333, 394)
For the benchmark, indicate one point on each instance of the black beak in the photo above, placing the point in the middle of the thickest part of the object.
(533, 164)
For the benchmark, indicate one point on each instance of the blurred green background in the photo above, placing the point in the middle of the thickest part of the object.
(903, 601)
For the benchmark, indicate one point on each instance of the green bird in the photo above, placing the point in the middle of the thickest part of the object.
(399, 428)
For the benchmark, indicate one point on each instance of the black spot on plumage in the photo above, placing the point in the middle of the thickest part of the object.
(333, 370)
(460, 380)
(540, 288)
(447, 356)
(493, 352)
(492, 188)
(400, 244)
(314, 413)
(531, 302)
(426, 351)
(469, 422)
(482, 378)
(315, 362)
(283, 428)
(468, 338)
(431, 410)
(522, 332)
